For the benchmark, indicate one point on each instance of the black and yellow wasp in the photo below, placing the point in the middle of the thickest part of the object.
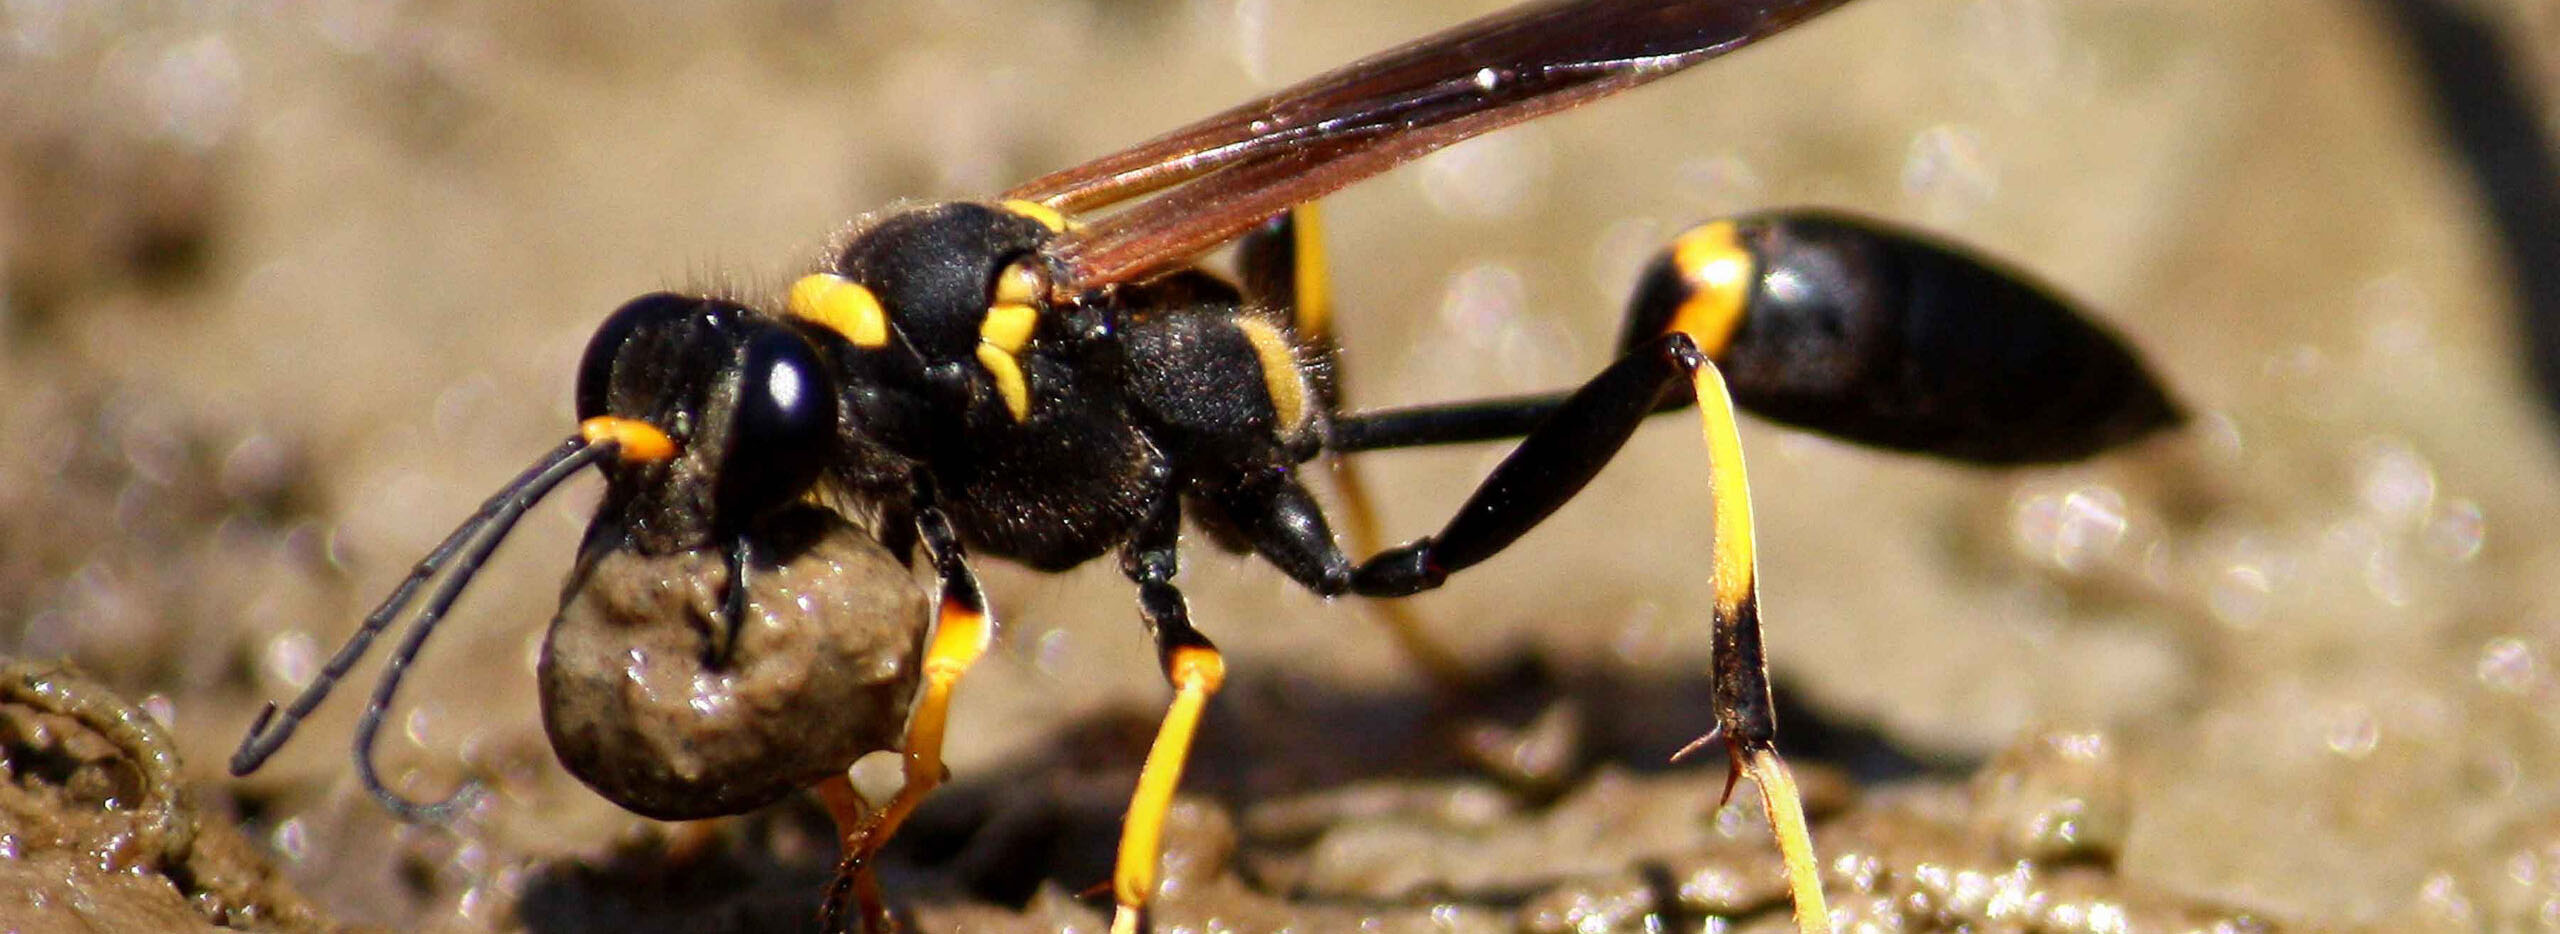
(1026, 379)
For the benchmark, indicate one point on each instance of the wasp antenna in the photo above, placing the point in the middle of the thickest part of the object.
(497, 517)
(269, 731)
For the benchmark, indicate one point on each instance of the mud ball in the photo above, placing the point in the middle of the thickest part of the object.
(654, 706)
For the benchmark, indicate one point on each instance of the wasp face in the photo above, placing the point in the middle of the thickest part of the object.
(745, 398)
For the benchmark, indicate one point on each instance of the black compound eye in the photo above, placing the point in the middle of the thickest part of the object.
(784, 428)
(595, 369)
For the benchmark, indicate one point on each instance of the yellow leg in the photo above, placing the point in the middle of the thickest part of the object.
(852, 814)
(1311, 317)
(1311, 285)
(1196, 672)
(1742, 683)
(960, 637)
(1785, 810)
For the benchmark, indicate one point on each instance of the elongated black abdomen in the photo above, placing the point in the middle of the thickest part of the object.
(1888, 338)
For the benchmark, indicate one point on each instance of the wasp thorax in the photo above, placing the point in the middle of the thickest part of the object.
(820, 673)
(937, 268)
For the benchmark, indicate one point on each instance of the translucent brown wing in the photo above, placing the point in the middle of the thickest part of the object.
(1309, 140)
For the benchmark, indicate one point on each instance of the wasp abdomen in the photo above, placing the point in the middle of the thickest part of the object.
(1886, 337)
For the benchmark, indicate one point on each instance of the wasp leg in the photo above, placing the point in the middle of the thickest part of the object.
(1839, 324)
(1282, 267)
(1744, 711)
(723, 644)
(1548, 468)
(855, 883)
(1195, 669)
(961, 634)
(1552, 464)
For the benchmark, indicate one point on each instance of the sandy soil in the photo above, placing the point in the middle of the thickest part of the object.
(288, 292)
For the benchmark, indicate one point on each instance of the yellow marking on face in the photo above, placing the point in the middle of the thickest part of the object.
(842, 306)
(1008, 376)
(1719, 271)
(1280, 374)
(1314, 281)
(637, 442)
(1046, 215)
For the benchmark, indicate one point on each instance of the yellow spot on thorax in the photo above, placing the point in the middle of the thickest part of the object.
(1280, 374)
(1010, 385)
(1006, 329)
(842, 306)
(1019, 284)
(1719, 272)
(1046, 215)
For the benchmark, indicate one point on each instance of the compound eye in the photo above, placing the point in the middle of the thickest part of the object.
(784, 427)
(595, 369)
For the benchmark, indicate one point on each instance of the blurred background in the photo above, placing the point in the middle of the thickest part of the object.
(291, 287)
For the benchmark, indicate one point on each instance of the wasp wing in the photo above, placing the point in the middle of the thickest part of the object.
(1259, 158)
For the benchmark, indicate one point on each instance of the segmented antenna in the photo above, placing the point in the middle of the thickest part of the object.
(477, 537)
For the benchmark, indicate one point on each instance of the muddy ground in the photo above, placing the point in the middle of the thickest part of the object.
(289, 289)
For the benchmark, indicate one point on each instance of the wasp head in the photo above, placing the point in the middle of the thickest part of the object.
(743, 397)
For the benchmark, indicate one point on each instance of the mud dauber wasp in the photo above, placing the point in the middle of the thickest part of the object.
(1020, 379)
